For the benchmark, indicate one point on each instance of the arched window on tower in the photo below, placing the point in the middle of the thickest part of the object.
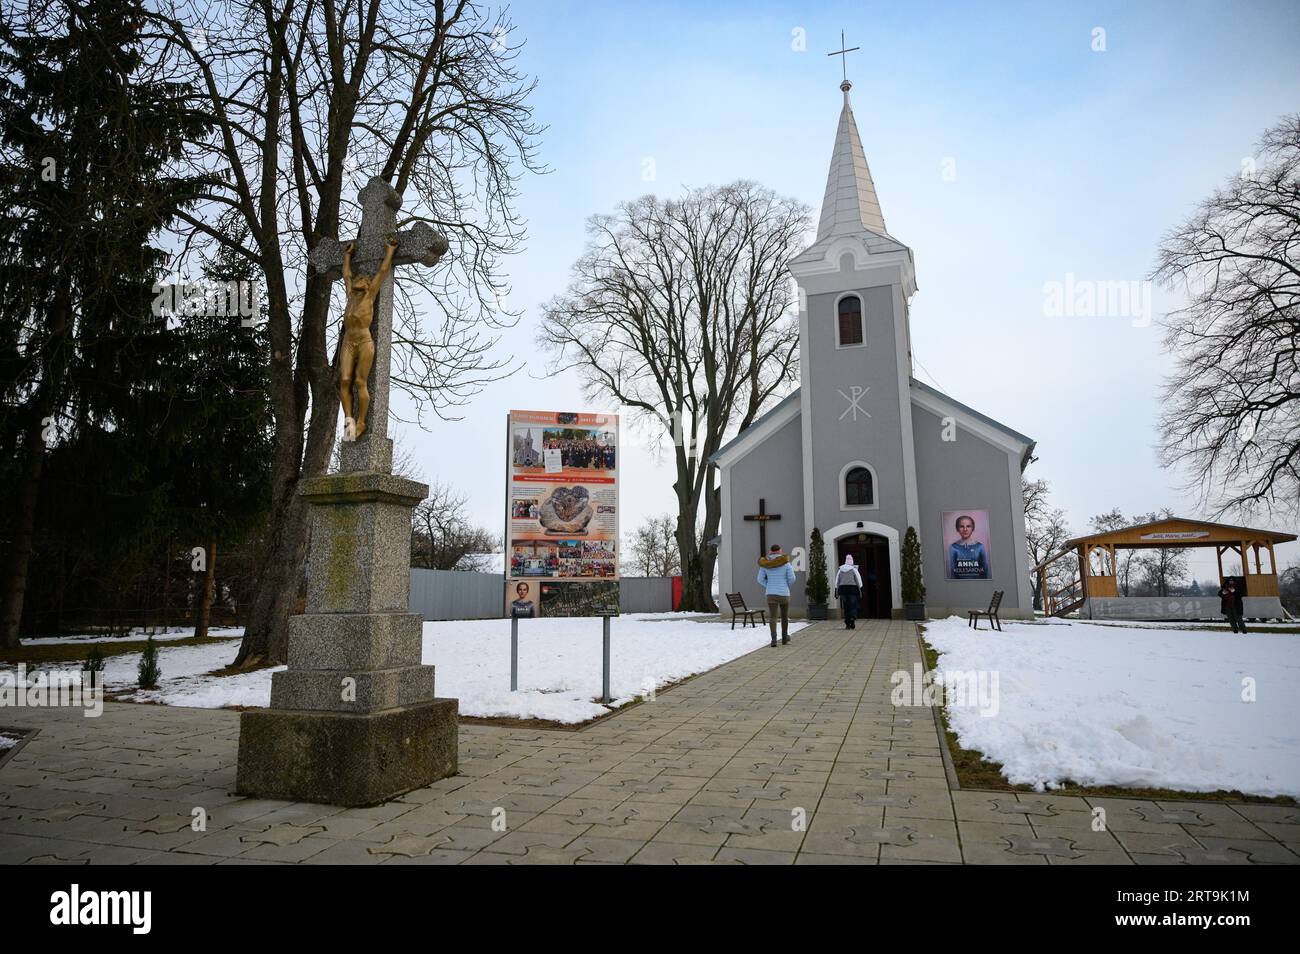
(850, 320)
(858, 488)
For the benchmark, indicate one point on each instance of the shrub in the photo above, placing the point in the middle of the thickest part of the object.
(913, 584)
(149, 670)
(94, 666)
(818, 587)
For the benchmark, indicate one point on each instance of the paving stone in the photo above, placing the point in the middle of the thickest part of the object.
(1050, 847)
(997, 853)
(1273, 814)
(1230, 850)
(987, 833)
(755, 856)
(281, 835)
(1162, 816)
(707, 774)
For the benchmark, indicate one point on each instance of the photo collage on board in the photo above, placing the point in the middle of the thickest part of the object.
(562, 514)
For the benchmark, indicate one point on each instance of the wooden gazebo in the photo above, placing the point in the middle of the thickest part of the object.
(1094, 587)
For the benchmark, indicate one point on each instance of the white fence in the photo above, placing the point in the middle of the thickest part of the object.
(451, 594)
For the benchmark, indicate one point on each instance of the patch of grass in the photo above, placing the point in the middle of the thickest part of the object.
(76, 652)
(976, 771)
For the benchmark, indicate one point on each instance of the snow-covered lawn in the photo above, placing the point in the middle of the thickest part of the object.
(1136, 707)
(137, 633)
(559, 664)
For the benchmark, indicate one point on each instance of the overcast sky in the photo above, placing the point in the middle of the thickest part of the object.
(1006, 152)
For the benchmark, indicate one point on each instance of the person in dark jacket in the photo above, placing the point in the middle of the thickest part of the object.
(1232, 605)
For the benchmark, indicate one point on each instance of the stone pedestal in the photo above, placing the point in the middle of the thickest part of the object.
(353, 720)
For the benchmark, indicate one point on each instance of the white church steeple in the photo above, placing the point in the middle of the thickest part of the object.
(850, 204)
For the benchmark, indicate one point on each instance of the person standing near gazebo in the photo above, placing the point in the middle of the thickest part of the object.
(1232, 605)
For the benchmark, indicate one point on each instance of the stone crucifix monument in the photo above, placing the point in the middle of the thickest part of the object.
(353, 720)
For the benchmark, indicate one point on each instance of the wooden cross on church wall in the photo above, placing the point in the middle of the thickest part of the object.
(418, 245)
(762, 517)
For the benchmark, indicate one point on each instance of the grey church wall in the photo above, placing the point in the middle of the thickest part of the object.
(773, 471)
(951, 475)
(838, 438)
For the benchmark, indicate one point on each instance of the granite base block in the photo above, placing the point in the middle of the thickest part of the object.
(325, 689)
(355, 640)
(337, 758)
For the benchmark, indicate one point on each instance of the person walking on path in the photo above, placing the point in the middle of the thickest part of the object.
(1232, 605)
(848, 587)
(776, 576)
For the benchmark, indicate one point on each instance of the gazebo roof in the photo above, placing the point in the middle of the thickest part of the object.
(1180, 532)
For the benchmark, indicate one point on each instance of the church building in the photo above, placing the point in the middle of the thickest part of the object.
(862, 450)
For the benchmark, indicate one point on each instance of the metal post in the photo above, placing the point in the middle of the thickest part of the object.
(604, 679)
(514, 653)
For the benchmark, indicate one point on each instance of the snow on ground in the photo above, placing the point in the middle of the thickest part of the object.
(559, 664)
(1201, 624)
(137, 633)
(1106, 705)
(560, 660)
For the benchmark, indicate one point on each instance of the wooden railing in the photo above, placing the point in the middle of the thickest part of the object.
(1060, 601)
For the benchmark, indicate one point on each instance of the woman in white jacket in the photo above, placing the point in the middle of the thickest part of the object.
(848, 587)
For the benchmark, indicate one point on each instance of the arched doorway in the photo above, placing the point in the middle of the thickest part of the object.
(870, 553)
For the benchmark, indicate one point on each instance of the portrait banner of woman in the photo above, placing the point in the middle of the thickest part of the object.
(966, 544)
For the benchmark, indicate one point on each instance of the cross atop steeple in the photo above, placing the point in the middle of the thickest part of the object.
(844, 52)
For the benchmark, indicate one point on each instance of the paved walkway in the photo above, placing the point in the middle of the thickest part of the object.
(789, 755)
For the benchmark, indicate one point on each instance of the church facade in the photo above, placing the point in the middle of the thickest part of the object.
(862, 450)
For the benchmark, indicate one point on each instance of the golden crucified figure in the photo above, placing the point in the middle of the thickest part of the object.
(358, 351)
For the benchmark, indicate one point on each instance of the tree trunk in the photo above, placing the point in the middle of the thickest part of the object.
(205, 594)
(266, 635)
(709, 554)
(693, 597)
(15, 581)
(688, 548)
(166, 585)
(55, 359)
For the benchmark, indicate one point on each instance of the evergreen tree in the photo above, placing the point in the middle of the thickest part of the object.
(148, 670)
(818, 587)
(913, 584)
(88, 130)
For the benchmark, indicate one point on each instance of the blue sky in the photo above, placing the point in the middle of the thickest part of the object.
(1066, 161)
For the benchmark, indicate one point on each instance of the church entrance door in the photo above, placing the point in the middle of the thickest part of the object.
(871, 554)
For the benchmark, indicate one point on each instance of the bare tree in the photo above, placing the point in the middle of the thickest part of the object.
(1232, 416)
(442, 537)
(1288, 582)
(1163, 568)
(309, 98)
(653, 550)
(1046, 530)
(1126, 560)
(682, 310)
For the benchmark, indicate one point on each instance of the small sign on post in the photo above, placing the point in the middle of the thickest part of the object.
(514, 654)
(604, 677)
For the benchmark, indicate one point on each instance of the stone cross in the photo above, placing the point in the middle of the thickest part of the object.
(418, 245)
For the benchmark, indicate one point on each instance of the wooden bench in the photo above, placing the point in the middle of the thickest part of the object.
(738, 608)
(991, 613)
